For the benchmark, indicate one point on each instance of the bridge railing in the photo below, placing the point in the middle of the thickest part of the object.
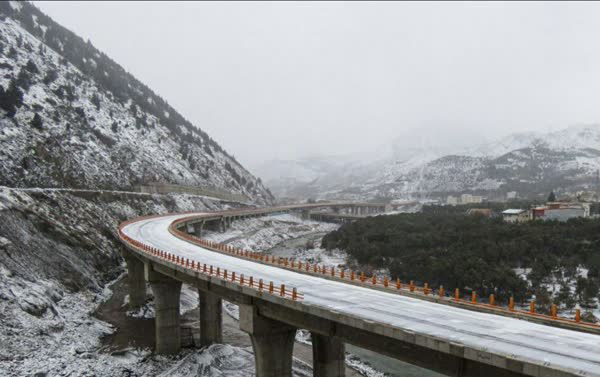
(409, 288)
(258, 284)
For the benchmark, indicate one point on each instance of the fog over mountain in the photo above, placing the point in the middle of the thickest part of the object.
(282, 81)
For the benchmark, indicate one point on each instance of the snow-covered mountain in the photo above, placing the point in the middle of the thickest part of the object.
(530, 163)
(72, 117)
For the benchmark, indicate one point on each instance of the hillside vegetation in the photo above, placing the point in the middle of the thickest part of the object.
(443, 246)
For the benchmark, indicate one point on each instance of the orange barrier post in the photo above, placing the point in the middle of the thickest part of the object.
(211, 269)
(294, 294)
(362, 277)
(511, 303)
(577, 315)
(398, 283)
(426, 288)
(224, 274)
(315, 268)
(241, 279)
(532, 307)
(441, 291)
(492, 300)
(307, 267)
(385, 282)
(473, 297)
(332, 271)
(352, 275)
(251, 281)
(233, 276)
(260, 285)
(554, 311)
(411, 286)
(374, 280)
(299, 265)
(271, 288)
(342, 273)
(282, 290)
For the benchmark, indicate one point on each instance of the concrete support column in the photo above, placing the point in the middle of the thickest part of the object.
(198, 229)
(135, 280)
(166, 307)
(305, 214)
(273, 343)
(211, 318)
(328, 356)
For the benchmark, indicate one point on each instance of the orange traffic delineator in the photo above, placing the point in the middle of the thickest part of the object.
(532, 307)
(398, 283)
(441, 291)
(511, 303)
(554, 311)
(474, 297)
(271, 287)
(282, 290)
(411, 286)
(374, 280)
(577, 315)
(492, 300)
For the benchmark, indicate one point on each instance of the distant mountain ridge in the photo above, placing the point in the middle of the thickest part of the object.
(72, 117)
(530, 163)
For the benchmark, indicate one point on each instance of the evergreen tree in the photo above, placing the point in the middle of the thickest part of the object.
(36, 122)
(552, 197)
(11, 99)
(565, 296)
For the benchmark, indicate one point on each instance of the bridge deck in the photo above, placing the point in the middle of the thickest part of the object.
(568, 350)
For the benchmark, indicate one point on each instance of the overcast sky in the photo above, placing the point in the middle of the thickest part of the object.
(285, 80)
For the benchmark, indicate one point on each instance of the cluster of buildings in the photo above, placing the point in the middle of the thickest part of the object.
(561, 211)
(464, 199)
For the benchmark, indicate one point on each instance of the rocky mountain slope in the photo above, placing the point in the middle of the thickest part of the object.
(72, 117)
(531, 163)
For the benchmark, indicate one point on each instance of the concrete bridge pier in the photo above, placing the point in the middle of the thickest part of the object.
(166, 306)
(329, 359)
(211, 318)
(272, 341)
(198, 229)
(135, 280)
(305, 214)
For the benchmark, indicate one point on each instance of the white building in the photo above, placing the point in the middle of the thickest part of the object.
(468, 199)
(511, 195)
(452, 200)
(514, 215)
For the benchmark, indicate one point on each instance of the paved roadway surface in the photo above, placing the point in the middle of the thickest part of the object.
(521, 340)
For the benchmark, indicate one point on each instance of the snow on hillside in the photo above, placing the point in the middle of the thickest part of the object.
(530, 163)
(86, 136)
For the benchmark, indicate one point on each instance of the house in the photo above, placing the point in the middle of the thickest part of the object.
(486, 212)
(514, 215)
(563, 213)
(468, 198)
(452, 200)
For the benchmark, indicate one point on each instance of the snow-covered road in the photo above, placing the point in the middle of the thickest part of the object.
(518, 339)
